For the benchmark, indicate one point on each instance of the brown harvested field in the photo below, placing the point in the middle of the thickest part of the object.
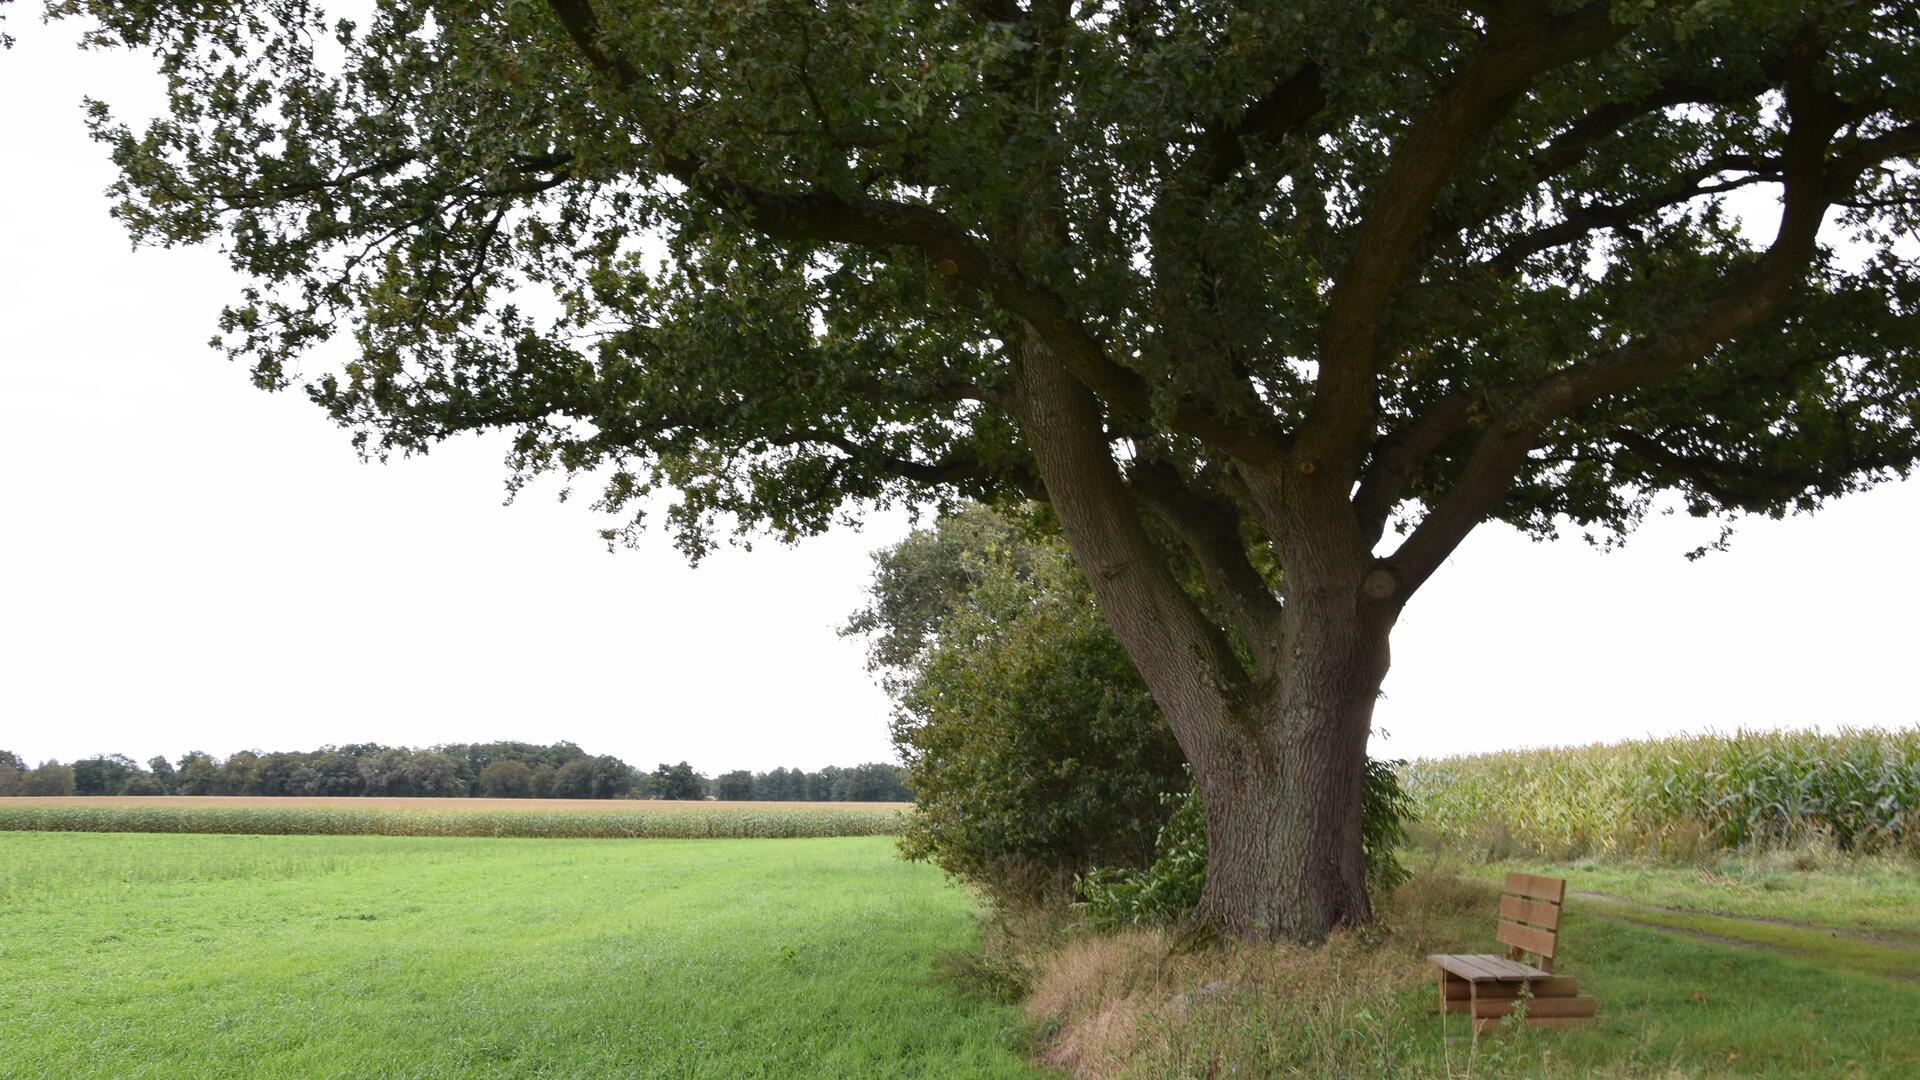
(370, 802)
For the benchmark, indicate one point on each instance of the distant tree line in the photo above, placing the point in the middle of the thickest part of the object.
(560, 770)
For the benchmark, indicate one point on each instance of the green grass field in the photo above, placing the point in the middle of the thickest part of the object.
(129, 955)
(142, 955)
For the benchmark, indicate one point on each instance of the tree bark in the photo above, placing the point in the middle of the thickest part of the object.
(1283, 796)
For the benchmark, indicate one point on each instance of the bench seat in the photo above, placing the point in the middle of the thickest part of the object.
(1486, 967)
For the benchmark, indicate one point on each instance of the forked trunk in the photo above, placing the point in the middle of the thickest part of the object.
(1279, 759)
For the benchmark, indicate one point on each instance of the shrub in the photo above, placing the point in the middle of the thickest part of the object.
(1166, 891)
(1032, 747)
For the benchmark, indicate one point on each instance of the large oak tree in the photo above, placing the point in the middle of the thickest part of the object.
(1313, 288)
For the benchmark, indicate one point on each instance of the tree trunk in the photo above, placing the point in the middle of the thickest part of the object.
(1283, 799)
(1278, 751)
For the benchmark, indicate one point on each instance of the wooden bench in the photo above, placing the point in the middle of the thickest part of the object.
(1488, 987)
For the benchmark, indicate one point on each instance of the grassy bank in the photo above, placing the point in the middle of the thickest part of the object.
(1741, 968)
(1676, 798)
(565, 818)
(228, 956)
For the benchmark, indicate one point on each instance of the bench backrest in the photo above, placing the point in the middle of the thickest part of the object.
(1530, 917)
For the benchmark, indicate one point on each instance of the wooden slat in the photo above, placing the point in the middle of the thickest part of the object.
(1503, 968)
(1554, 986)
(1466, 967)
(1532, 912)
(1481, 967)
(1544, 1008)
(1534, 887)
(1526, 937)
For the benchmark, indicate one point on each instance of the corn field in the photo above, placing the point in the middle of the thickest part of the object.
(1857, 788)
(445, 817)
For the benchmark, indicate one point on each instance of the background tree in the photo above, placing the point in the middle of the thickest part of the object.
(677, 782)
(240, 774)
(506, 780)
(780, 785)
(542, 782)
(734, 785)
(384, 771)
(163, 773)
(13, 773)
(51, 778)
(141, 783)
(434, 774)
(872, 781)
(104, 774)
(1279, 279)
(200, 774)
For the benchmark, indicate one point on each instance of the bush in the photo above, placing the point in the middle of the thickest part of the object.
(1166, 891)
(1033, 749)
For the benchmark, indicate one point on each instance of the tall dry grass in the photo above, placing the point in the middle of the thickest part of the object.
(1146, 1003)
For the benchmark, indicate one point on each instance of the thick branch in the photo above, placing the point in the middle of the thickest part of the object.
(956, 466)
(1748, 299)
(1582, 221)
(1401, 453)
(1210, 528)
(1185, 659)
(1223, 145)
(1516, 52)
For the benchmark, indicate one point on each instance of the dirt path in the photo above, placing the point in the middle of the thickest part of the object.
(1879, 953)
(1890, 939)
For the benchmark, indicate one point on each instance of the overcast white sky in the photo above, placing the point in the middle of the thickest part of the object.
(188, 563)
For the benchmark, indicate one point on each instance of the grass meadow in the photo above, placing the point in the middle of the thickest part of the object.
(360, 816)
(131, 955)
(1740, 906)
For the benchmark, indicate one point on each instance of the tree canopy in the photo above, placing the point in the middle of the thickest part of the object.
(1204, 208)
(1275, 278)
